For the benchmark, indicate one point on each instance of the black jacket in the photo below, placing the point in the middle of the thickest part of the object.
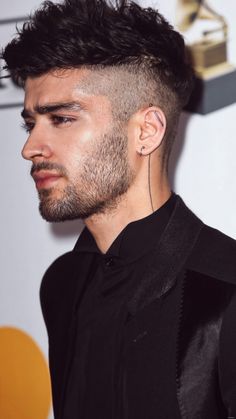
(200, 264)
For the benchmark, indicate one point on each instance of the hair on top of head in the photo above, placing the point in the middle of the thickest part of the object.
(97, 32)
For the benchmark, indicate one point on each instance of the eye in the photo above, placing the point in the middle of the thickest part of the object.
(27, 126)
(61, 120)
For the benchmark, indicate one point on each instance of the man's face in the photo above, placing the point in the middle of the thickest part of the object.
(79, 153)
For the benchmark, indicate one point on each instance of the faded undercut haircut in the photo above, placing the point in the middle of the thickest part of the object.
(143, 53)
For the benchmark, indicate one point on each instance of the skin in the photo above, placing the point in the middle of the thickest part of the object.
(74, 146)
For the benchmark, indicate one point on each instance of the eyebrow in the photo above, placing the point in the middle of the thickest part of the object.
(52, 107)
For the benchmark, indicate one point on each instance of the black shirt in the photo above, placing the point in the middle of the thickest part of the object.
(111, 367)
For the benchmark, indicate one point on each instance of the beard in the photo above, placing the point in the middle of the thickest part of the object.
(105, 176)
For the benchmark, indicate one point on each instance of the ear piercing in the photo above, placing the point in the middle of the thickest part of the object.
(141, 150)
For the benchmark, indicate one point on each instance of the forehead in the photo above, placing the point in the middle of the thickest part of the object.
(61, 86)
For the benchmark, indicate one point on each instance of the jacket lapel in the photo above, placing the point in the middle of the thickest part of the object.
(203, 306)
(168, 257)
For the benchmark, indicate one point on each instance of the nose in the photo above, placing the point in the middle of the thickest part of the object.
(35, 147)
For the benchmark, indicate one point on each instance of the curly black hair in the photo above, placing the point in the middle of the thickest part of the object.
(99, 33)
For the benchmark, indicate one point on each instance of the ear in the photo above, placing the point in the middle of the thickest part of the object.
(152, 127)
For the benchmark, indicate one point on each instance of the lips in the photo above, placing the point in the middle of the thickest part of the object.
(45, 179)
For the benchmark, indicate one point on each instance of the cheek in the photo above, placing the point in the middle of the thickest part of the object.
(76, 145)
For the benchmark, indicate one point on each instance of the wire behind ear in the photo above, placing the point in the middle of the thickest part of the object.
(149, 181)
(157, 116)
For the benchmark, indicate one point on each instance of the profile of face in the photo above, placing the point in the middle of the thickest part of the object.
(79, 152)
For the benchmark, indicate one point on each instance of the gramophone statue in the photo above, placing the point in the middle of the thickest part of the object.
(215, 85)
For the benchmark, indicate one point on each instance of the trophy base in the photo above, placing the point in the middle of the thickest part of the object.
(212, 93)
(206, 54)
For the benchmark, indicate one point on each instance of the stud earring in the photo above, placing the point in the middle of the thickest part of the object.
(141, 150)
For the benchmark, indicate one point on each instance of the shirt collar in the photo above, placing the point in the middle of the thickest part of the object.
(136, 239)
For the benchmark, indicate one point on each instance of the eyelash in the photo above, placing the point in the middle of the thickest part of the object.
(27, 126)
(55, 119)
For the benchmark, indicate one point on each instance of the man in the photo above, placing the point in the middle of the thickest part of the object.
(141, 315)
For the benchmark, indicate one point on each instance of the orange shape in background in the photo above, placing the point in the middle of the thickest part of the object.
(24, 378)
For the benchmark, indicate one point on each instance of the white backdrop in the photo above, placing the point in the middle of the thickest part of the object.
(202, 171)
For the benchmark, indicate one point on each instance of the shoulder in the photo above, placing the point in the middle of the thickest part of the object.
(209, 304)
(62, 281)
(214, 255)
(58, 283)
(55, 275)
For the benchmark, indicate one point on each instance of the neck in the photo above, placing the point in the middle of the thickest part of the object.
(133, 206)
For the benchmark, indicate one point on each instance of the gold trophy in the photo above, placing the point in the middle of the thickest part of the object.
(215, 77)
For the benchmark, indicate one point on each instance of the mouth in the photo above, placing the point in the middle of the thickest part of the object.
(45, 179)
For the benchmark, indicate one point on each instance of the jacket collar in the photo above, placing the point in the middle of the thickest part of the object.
(136, 239)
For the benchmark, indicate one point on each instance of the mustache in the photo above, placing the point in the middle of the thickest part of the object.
(36, 167)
